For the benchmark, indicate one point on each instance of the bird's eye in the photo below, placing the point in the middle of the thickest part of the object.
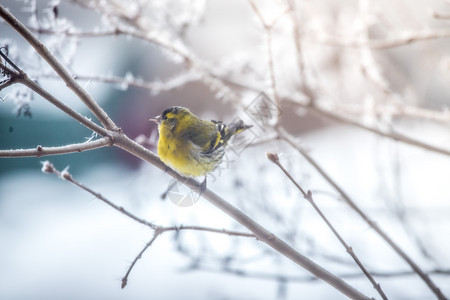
(164, 117)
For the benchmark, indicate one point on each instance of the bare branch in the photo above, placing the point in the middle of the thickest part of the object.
(12, 64)
(12, 74)
(307, 278)
(160, 230)
(59, 69)
(268, 30)
(209, 229)
(152, 86)
(25, 80)
(297, 40)
(40, 151)
(47, 167)
(400, 40)
(284, 135)
(124, 280)
(391, 135)
(208, 77)
(71, 33)
(308, 196)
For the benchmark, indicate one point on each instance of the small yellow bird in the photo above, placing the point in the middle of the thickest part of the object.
(192, 146)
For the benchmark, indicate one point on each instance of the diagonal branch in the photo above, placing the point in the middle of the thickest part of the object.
(380, 44)
(286, 137)
(25, 80)
(69, 111)
(156, 233)
(308, 196)
(48, 167)
(392, 135)
(59, 69)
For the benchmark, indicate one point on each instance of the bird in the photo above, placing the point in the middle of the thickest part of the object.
(192, 146)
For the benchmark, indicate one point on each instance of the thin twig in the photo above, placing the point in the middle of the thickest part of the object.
(160, 230)
(40, 151)
(209, 229)
(11, 63)
(391, 135)
(268, 31)
(401, 39)
(273, 157)
(72, 33)
(152, 86)
(47, 167)
(396, 110)
(208, 76)
(286, 137)
(124, 280)
(297, 40)
(398, 41)
(12, 75)
(307, 278)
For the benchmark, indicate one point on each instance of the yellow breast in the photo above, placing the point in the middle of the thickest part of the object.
(183, 157)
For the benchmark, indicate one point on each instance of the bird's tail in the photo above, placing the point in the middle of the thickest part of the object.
(225, 132)
(236, 127)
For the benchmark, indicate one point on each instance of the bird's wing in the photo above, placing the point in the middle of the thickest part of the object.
(204, 134)
(217, 139)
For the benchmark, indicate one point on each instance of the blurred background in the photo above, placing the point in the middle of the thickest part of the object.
(333, 73)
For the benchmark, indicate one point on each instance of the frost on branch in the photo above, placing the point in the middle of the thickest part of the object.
(47, 167)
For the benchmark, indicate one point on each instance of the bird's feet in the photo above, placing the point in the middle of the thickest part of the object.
(203, 186)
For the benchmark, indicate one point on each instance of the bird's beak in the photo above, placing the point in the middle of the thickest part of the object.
(156, 119)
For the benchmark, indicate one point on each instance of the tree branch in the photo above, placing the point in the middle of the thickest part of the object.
(160, 230)
(308, 278)
(25, 80)
(308, 196)
(286, 137)
(40, 151)
(391, 135)
(59, 69)
(400, 40)
(47, 167)
(268, 30)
